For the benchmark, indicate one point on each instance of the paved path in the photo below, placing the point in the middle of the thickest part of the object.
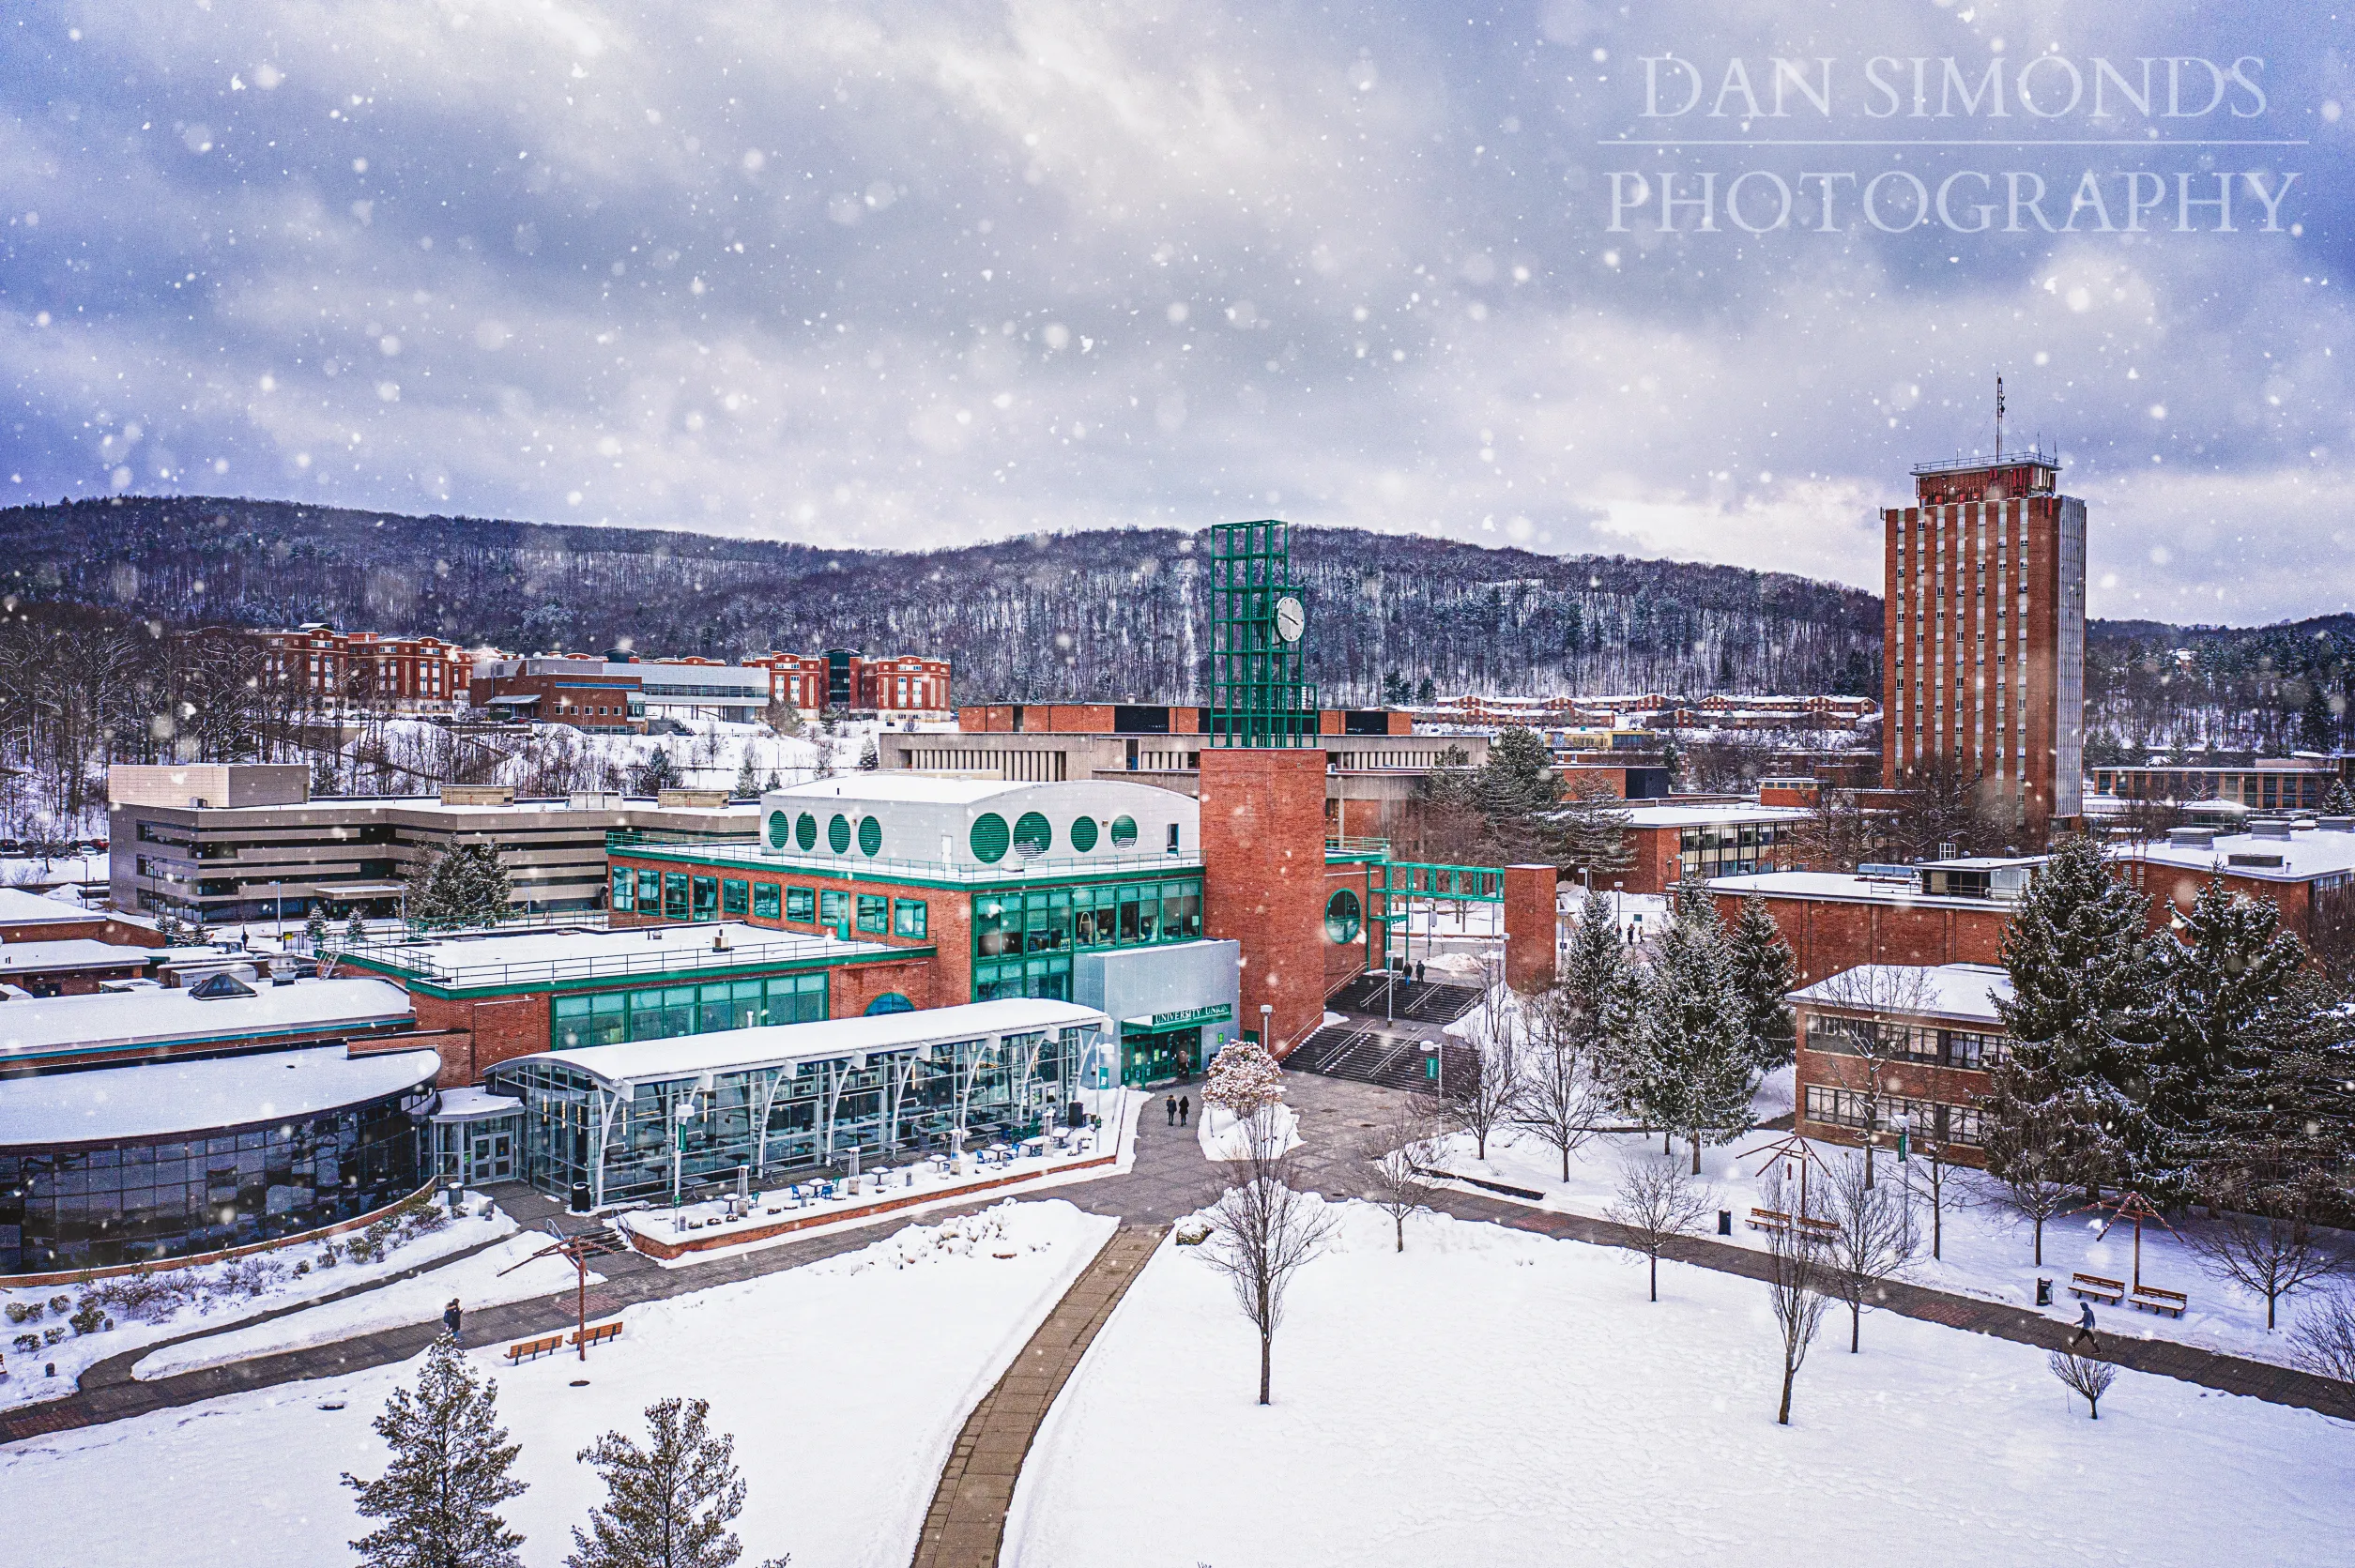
(966, 1524)
(1170, 1178)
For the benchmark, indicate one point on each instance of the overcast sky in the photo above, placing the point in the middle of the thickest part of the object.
(912, 275)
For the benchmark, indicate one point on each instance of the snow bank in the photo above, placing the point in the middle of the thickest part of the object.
(1491, 1397)
(845, 1384)
(1225, 1135)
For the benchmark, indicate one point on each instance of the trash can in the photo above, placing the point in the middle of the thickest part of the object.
(1076, 1113)
(2043, 1292)
(1725, 1222)
(580, 1197)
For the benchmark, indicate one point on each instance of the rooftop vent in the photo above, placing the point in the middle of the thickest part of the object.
(2257, 862)
(2193, 838)
(224, 984)
(2270, 828)
(2335, 824)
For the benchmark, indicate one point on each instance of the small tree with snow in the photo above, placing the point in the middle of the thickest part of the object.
(1659, 1201)
(1764, 973)
(1561, 1082)
(1796, 1295)
(1264, 1228)
(439, 1497)
(315, 928)
(870, 757)
(2266, 1236)
(1872, 1241)
(747, 777)
(668, 1504)
(2028, 1149)
(1398, 1157)
(354, 931)
(657, 773)
(2324, 1336)
(2089, 1379)
(1243, 1079)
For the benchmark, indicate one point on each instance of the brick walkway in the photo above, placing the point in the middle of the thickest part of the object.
(967, 1522)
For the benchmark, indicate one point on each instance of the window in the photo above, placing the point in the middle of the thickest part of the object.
(675, 895)
(873, 914)
(1343, 916)
(992, 926)
(871, 836)
(765, 903)
(707, 898)
(625, 885)
(1083, 833)
(838, 834)
(800, 905)
(907, 916)
(1123, 831)
(1033, 835)
(805, 832)
(650, 891)
(735, 897)
(833, 907)
(988, 838)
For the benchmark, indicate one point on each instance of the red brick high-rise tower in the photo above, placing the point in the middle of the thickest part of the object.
(1983, 639)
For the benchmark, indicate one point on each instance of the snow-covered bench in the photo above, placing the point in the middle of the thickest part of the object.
(2094, 1287)
(2149, 1298)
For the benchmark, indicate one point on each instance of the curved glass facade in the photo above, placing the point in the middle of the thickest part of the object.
(96, 1205)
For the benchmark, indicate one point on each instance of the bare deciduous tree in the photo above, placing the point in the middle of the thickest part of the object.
(1658, 1200)
(2088, 1378)
(1398, 1157)
(1562, 1090)
(1262, 1229)
(1854, 1019)
(1482, 1101)
(1796, 1295)
(2264, 1238)
(1872, 1241)
(2028, 1153)
(2324, 1336)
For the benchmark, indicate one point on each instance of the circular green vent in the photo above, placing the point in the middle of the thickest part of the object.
(871, 835)
(780, 830)
(1123, 831)
(805, 832)
(1083, 834)
(988, 838)
(1033, 835)
(1344, 917)
(838, 834)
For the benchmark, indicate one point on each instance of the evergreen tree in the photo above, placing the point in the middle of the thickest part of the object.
(439, 1497)
(667, 1505)
(2217, 1019)
(870, 757)
(2084, 976)
(747, 779)
(354, 931)
(773, 783)
(1594, 981)
(1689, 1038)
(1591, 828)
(420, 895)
(2340, 801)
(480, 889)
(314, 927)
(657, 773)
(1764, 972)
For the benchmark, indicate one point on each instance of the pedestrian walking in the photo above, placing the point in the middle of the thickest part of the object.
(453, 1320)
(1169, 1103)
(1418, 971)
(1186, 1108)
(2085, 1329)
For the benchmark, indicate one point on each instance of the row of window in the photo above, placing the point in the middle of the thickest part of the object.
(663, 1013)
(680, 895)
(1111, 914)
(1964, 1048)
(1927, 1120)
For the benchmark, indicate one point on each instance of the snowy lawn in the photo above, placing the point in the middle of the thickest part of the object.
(1492, 1397)
(1987, 1250)
(845, 1383)
(223, 1294)
(476, 1282)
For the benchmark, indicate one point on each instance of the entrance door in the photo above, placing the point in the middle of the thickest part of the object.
(1154, 1059)
(494, 1157)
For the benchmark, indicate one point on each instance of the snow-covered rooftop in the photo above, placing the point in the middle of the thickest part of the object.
(2306, 854)
(71, 952)
(1840, 886)
(686, 1055)
(1963, 992)
(920, 789)
(157, 1100)
(67, 1026)
(1729, 814)
(545, 958)
(467, 1104)
(19, 907)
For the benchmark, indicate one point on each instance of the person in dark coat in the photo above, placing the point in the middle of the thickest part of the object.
(2085, 1329)
(1168, 1104)
(1186, 1108)
(453, 1321)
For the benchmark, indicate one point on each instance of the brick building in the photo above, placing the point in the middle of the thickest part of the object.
(367, 671)
(904, 686)
(579, 690)
(2297, 866)
(1944, 913)
(1932, 1032)
(1983, 634)
(2254, 783)
(1676, 843)
(30, 918)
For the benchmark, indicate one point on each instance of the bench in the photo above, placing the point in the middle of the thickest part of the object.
(532, 1350)
(1818, 1230)
(2152, 1298)
(596, 1333)
(1769, 1219)
(2097, 1289)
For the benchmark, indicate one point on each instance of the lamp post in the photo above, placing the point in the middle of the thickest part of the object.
(1267, 1027)
(682, 1113)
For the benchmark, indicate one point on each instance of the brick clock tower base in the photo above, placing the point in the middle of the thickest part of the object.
(1529, 927)
(1264, 879)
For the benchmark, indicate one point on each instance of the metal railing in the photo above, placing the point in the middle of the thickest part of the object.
(667, 959)
(851, 866)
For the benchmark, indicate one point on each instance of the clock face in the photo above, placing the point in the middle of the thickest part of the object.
(1292, 618)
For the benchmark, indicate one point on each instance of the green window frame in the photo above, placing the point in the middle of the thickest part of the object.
(1033, 835)
(674, 895)
(624, 886)
(805, 833)
(988, 838)
(801, 906)
(600, 1018)
(1083, 833)
(997, 926)
(838, 834)
(796, 998)
(765, 901)
(780, 830)
(735, 896)
(871, 836)
(874, 914)
(1123, 833)
(833, 907)
(649, 890)
(705, 905)
(909, 917)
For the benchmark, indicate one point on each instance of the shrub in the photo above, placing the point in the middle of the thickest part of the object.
(54, 1336)
(27, 1342)
(146, 1297)
(89, 1317)
(20, 1311)
(60, 1304)
(251, 1276)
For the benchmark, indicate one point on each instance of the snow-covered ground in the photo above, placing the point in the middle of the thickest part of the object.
(1986, 1249)
(844, 1383)
(1492, 1397)
(215, 1304)
(474, 1282)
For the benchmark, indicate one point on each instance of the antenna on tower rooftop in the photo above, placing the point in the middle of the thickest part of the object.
(1999, 418)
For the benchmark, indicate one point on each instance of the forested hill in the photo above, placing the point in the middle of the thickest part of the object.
(1082, 614)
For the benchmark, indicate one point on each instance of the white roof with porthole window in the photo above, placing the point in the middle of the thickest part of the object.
(978, 824)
